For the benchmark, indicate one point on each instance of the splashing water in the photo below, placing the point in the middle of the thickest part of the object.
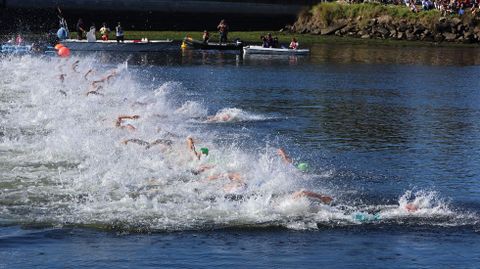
(67, 159)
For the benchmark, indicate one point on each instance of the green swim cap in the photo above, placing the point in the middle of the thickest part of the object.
(204, 151)
(302, 167)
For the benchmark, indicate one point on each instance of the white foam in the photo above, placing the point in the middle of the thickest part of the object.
(65, 161)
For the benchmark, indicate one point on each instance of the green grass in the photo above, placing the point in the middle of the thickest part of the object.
(253, 37)
(326, 13)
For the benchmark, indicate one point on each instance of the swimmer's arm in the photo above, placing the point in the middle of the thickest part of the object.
(75, 65)
(284, 156)
(166, 142)
(325, 199)
(124, 117)
(88, 73)
(191, 147)
(136, 141)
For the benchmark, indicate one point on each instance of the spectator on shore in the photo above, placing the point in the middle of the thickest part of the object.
(119, 33)
(427, 5)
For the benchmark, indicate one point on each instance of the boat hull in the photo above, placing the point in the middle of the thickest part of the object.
(274, 51)
(195, 44)
(112, 45)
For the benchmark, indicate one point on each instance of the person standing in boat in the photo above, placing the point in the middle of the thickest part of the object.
(80, 29)
(104, 31)
(119, 33)
(91, 34)
(206, 36)
(223, 30)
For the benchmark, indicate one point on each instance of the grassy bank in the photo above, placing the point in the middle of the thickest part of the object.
(253, 37)
(327, 13)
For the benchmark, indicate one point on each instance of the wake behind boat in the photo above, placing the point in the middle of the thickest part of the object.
(278, 51)
(112, 45)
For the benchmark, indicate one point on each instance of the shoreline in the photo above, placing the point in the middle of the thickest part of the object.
(253, 37)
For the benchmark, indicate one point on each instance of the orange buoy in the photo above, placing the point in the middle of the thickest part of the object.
(64, 52)
(59, 46)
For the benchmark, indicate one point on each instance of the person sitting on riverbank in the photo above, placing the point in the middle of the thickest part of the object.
(104, 31)
(223, 31)
(206, 36)
(294, 44)
(427, 5)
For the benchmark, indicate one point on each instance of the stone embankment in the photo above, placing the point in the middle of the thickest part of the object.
(384, 26)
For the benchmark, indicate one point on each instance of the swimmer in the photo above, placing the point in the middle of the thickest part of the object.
(219, 118)
(202, 168)
(281, 152)
(164, 142)
(410, 207)
(303, 167)
(232, 176)
(95, 91)
(75, 66)
(120, 119)
(191, 148)
(106, 78)
(62, 77)
(63, 92)
(90, 71)
(308, 194)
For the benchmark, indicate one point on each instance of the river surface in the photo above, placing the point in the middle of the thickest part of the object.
(392, 134)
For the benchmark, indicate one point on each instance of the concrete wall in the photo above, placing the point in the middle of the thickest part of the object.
(251, 7)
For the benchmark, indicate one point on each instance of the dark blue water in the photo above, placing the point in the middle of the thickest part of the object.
(373, 124)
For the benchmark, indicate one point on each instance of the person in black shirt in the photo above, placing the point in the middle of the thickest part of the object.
(80, 29)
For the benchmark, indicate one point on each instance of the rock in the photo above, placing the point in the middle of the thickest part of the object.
(410, 35)
(418, 29)
(476, 30)
(460, 28)
(333, 28)
(385, 19)
(442, 19)
(402, 27)
(438, 37)
(442, 27)
(366, 36)
(456, 21)
(449, 37)
(400, 35)
(383, 31)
